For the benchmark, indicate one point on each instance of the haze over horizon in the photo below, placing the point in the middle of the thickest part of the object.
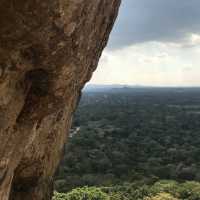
(154, 43)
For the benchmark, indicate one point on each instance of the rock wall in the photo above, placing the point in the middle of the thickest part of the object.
(48, 51)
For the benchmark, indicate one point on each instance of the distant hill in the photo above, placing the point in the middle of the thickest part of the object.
(106, 87)
(125, 88)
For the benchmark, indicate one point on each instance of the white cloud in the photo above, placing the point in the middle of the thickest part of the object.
(151, 63)
(195, 39)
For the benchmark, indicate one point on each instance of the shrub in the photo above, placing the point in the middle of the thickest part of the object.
(162, 196)
(165, 186)
(85, 193)
(189, 190)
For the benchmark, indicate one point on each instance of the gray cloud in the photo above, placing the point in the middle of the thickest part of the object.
(155, 20)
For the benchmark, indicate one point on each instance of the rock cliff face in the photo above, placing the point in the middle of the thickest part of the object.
(48, 51)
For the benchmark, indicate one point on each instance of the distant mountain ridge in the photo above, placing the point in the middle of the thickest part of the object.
(99, 87)
(109, 87)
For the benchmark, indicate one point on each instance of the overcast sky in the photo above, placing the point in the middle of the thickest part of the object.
(154, 42)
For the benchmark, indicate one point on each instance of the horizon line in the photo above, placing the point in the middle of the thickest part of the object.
(138, 85)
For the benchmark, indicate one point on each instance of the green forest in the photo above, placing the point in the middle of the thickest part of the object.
(133, 144)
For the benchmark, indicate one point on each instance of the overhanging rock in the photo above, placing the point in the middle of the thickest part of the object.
(48, 51)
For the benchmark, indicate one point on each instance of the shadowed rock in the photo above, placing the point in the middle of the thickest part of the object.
(48, 51)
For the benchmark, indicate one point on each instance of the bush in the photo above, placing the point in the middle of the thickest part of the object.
(165, 186)
(85, 193)
(162, 196)
(161, 190)
(189, 190)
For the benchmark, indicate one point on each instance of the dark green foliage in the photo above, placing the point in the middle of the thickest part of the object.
(133, 135)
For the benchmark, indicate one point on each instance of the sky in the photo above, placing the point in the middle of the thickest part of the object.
(153, 43)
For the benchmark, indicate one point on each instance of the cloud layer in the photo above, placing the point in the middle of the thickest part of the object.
(152, 64)
(155, 20)
(154, 42)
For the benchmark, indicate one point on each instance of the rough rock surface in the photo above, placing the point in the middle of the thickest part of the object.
(48, 51)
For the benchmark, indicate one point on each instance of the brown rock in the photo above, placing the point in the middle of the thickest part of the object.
(48, 51)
